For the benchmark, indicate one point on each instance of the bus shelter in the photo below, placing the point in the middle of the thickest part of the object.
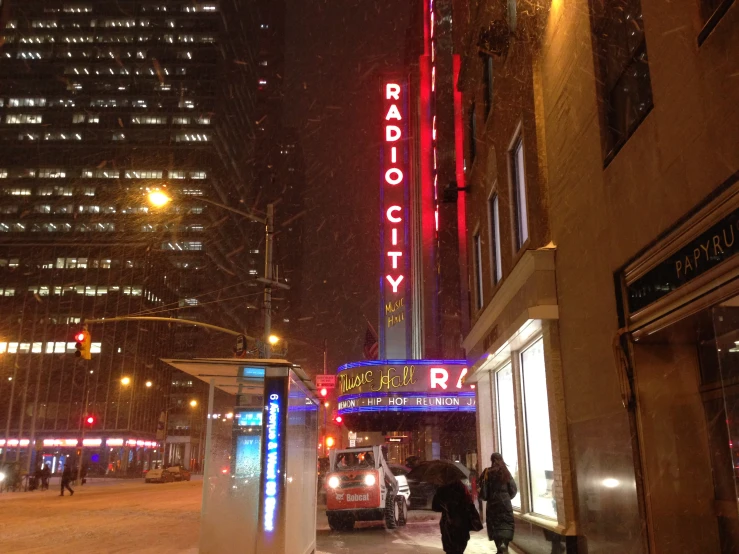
(259, 480)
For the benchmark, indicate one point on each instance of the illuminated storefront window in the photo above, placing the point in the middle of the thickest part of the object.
(507, 423)
(538, 437)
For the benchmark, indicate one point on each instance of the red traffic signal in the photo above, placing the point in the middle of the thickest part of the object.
(324, 392)
(82, 345)
(338, 419)
(90, 420)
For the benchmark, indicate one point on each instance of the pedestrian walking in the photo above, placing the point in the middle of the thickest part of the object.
(45, 476)
(458, 516)
(66, 478)
(497, 487)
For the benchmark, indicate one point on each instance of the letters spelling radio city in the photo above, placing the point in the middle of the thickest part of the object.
(394, 213)
(392, 378)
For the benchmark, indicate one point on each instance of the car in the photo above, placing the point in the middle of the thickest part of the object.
(158, 475)
(427, 477)
(178, 473)
(400, 473)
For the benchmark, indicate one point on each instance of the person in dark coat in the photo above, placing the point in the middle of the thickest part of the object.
(45, 475)
(500, 488)
(453, 501)
(66, 479)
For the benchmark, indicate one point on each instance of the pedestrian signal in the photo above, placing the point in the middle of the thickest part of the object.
(82, 344)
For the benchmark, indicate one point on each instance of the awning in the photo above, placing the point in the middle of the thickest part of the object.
(231, 373)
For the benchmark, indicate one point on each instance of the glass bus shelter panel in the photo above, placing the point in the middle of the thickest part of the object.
(231, 485)
(302, 440)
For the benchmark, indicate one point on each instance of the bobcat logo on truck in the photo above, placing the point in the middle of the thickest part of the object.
(361, 487)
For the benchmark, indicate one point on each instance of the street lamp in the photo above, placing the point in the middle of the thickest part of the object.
(193, 403)
(126, 381)
(273, 339)
(158, 199)
(149, 384)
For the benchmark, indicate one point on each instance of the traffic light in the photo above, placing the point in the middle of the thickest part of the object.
(324, 392)
(82, 344)
(330, 442)
(90, 420)
(338, 419)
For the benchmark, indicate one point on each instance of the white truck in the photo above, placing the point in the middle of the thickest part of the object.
(360, 487)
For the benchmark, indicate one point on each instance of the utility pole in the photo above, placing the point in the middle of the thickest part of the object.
(269, 230)
(83, 428)
(325, 356)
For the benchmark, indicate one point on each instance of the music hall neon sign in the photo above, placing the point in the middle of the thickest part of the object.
(394, 193)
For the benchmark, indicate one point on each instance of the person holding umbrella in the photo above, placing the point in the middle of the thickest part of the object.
(458, 516)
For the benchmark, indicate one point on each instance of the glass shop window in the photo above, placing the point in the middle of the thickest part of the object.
(507, 437)
(538, 436)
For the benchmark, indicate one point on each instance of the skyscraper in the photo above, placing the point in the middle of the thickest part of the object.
(100, 103)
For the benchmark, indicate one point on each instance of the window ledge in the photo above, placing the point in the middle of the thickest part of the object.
(550, 524)
(713, 21)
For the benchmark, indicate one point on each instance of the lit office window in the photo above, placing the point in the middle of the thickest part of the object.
(148, 120)
(198, 175)
(77, 8)
(142, 174)
(23, 119)
(26, 102)
(51, 173)
(192, 137)
(177, 174)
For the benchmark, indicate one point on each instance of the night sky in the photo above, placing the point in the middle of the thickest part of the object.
(335, 53)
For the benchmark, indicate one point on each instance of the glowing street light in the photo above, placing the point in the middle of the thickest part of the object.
(157, 198)
(193, 403)
(126, 381)
(273, 339)
(149, 383)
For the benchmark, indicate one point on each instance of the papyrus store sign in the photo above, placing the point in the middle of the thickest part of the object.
(405, 385)
(394, 229)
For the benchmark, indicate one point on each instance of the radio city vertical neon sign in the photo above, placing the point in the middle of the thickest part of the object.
(394, 193)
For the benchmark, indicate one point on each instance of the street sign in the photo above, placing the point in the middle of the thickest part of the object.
(240, 345)
(325, 381)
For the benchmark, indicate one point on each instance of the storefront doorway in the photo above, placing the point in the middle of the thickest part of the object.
(687, 388)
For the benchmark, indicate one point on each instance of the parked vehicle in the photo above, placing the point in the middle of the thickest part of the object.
(400, 473)
(179, 473)
(158, 475)
(361, 487)
(427, 477)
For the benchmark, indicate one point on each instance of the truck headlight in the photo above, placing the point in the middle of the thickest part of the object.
(333, 481)
(369, 479)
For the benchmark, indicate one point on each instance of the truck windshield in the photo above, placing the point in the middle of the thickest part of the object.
(355, 460)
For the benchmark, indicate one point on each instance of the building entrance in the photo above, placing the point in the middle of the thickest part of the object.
(686, 380)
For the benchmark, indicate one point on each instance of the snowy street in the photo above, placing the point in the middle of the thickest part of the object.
(123, 516)
(112, 516)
